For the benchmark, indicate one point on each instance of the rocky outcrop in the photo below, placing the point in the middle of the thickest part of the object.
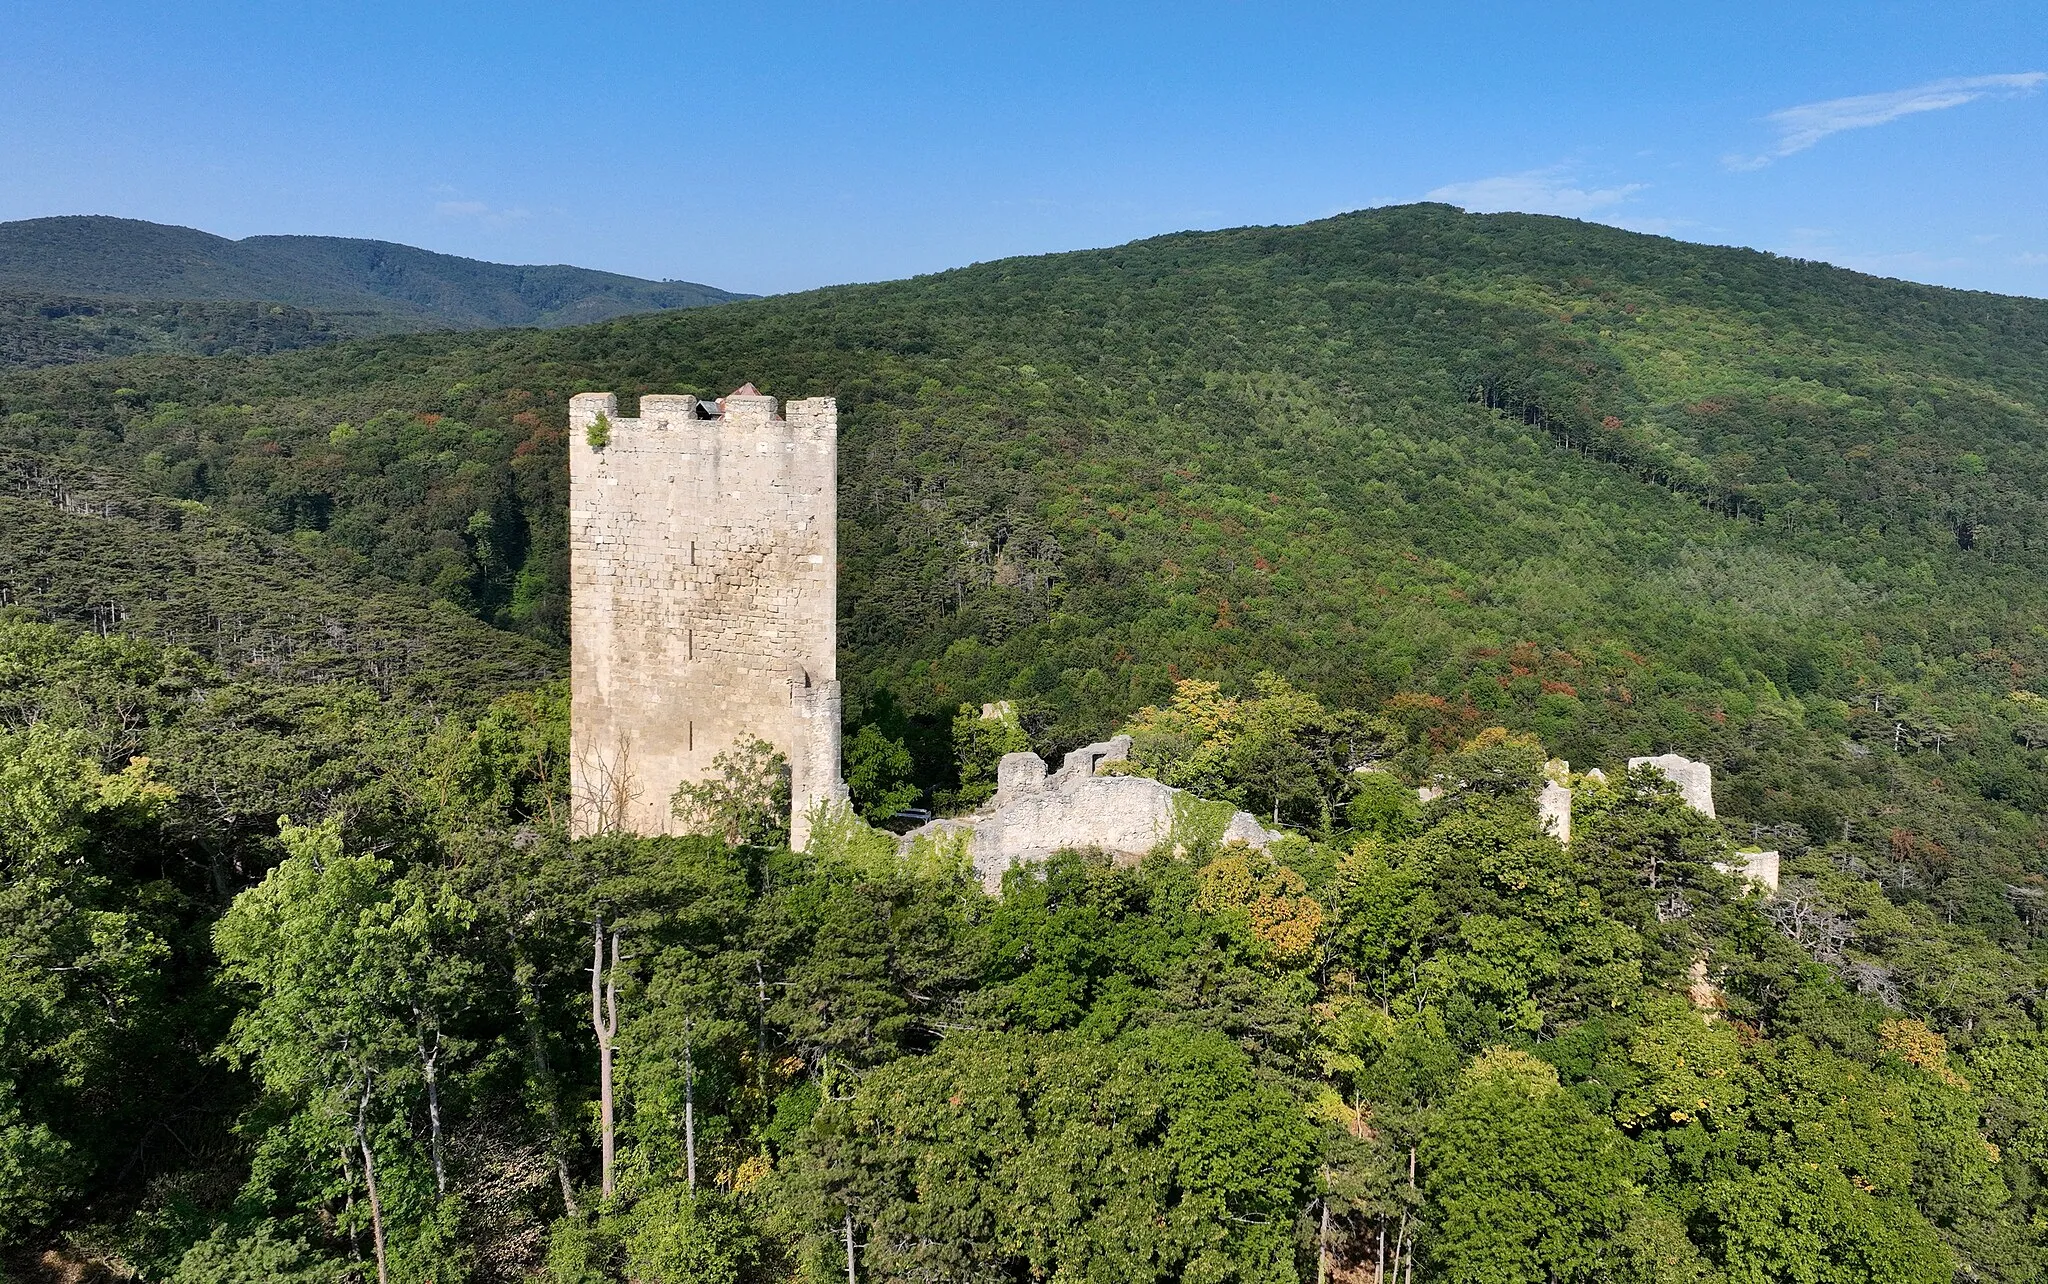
(1036, 813)
(1695, 781)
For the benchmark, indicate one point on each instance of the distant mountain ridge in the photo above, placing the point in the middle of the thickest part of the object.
(406, 288)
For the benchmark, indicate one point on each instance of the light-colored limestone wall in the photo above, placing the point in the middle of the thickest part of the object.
(1759, 867)
(703, 569)
(1695, 780)
(1035, 814)
(1554, 811)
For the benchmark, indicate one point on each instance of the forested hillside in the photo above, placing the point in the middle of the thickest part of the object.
(48, 330)
(1475, 489)
(78, 288)
(83, 547)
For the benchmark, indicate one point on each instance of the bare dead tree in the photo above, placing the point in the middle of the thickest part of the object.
(604, 1021)
(606, 792)
(370, 1182)
(1876, 981)
(1814, 922)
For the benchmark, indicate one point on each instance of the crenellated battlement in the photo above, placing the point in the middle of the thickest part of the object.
(812, 418)
(703, 554)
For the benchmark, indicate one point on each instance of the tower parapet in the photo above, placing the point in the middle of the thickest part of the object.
(703, 568)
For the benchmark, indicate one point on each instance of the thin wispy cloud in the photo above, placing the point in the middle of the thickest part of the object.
(1536, 191)
(1825, 245)
(479, 211)
(1801, 127)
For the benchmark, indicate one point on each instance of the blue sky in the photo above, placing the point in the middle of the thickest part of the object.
(775, 146)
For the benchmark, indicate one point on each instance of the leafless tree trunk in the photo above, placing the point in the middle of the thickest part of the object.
(689, 1106)
(604, 1020)
(430, 1062)
(370, 1183)
(1323, 1246)
(849, 1245)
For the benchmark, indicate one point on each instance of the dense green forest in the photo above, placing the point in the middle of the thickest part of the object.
(47, 330)
(300, 980)
(82, 288)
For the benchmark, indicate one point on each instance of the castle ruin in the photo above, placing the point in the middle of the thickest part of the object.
(703, 566)
(1695, 781)
(703, 570)
(1036, 813)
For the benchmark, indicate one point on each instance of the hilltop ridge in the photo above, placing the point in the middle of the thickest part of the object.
(79, 287)
(1375, 453)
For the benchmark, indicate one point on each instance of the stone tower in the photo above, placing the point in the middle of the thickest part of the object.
(703, 573)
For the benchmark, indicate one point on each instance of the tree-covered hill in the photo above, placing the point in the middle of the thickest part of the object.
(1362, 452)
(81, 286)
(47, 329)
(1440, 481)
(86, 550)
(1631, 493)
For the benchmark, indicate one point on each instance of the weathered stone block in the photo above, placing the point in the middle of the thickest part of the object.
(1034, 814)
(1695, 780)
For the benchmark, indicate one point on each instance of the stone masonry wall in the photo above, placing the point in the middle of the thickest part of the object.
(1695, 781)
(1035, 814)
(703, 569)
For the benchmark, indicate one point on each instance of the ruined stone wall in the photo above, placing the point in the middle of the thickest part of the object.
(1554, 811)
(1035, 814)
(703, 570)
(1695, 780)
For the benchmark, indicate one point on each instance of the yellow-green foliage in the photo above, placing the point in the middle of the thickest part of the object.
(1690, 1068)
(1278, 751)
(1270, 899)
(838, 834)
(1197, 825)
